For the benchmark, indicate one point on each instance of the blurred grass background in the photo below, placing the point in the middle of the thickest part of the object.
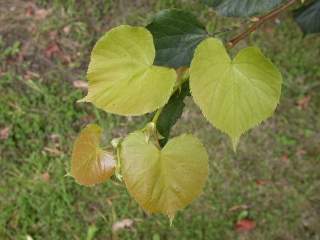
(274, 179)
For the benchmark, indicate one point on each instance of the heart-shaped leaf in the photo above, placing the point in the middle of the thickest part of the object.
(121, 74)
(90, 164)
(234, 95)
(164, 181)
(176, 34)
(243, 8)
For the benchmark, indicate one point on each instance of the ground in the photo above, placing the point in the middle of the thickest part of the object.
(273, 180)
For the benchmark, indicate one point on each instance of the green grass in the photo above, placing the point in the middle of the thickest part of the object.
(38, 103)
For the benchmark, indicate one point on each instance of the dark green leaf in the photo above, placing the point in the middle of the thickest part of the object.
(172, 112)
(176, 34)
(243, 8)
(308, 17)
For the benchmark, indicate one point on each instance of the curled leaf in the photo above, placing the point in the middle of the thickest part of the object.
(90, 164)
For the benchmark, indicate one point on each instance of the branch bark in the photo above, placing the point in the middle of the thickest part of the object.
(261, 20)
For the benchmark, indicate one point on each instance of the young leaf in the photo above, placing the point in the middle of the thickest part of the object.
(234, 95)
(243, 8)
(90, 164)
(172, 112)
(121, 76)
(164, 181)
(176, 34)
(308, 17)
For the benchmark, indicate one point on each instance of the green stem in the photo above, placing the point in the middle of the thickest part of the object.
(157, 115)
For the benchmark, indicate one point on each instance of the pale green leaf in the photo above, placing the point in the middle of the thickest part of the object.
(121, 74)
(164, 181)
(90, 164)
(234, 95)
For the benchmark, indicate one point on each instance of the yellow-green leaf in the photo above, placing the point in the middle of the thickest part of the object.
(234, 95)
(90, 164)
(164, 181)
(122, 77)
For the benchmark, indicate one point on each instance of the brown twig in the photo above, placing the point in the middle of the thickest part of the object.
(260, 21)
